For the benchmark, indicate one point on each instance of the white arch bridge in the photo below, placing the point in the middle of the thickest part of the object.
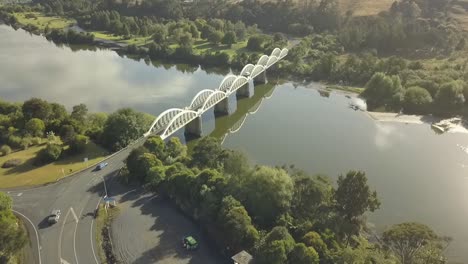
(171, 120)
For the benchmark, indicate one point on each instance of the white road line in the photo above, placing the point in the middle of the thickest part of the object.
(91, 234)
(35, 231)
(74, 215)
(19, 194)
(62, 261)
(74, 232)
(60, 236)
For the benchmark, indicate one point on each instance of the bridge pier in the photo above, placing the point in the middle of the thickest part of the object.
(194, 128)
(244, 91)
(222, 108)
(261, 78)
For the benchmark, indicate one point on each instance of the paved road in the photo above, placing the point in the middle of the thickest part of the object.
(150, 230)
(71, 240)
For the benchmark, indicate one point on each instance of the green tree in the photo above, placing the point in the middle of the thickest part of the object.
(277, 245)
(450, 96)
(208, 153)
(229, 38)
(160, 33)
(36, 108)
(155, 176)
(407, 240)
(363, 251)
(383, 90)
(416, 100)
(314, 240)
(95, 127)
(303, 255)
(185, 40)
(79, 143)
(56, 118)
(124, 126)
(67, 133)
(156, 146)
(5, 202)
(236, 225)
(5, 150)
(12, 236)
(79, 113)
(273, 198)
(175, 149)
(132, 160)
(142, 166)
(255, 43)
(49, 154)
(354, 197)
(215, 37)
(35, 127)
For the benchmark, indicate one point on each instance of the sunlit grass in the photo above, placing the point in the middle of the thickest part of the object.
(41, 21)
(27, 174)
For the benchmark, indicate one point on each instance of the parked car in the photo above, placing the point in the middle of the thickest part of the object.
(101, 165)
(54, 216)
(189, 243)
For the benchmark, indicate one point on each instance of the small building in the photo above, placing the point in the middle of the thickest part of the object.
(242, 257)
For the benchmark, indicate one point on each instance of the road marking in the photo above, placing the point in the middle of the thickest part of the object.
(19, 194)
(74, 215)
(60, 236)
(91, 234)
(35, 231)
(62, 261)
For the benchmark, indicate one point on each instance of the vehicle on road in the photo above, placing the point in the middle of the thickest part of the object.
(54, 217)
(189, 243)
(101, 165)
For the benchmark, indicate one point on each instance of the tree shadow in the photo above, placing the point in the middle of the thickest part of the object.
(173, 226)
(169, 227)
(26, 166)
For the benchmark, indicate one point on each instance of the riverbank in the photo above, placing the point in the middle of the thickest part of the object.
(438, 124)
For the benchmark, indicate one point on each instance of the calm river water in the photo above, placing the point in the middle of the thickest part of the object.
(419, 176)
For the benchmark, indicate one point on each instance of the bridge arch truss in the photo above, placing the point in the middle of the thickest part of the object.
(173, 119)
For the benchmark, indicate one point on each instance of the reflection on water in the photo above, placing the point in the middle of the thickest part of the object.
(101, 79)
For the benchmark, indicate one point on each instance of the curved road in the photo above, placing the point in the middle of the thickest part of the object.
(71, 240)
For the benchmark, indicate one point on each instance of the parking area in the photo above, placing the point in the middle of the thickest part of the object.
(150, 230)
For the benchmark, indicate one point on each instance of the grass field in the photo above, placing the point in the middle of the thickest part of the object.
(41, 21)
(27, 174)
(139, 41)
(200, 46)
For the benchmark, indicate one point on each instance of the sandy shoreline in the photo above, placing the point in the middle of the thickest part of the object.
(402, 118)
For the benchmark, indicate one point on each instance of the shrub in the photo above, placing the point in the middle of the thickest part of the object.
(14, 141)
(36, 141)
(5, 150)
(26, 142)
(11, 163)
(78, 144)
(49, 154)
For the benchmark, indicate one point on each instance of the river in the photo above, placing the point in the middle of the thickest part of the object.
(418, 175)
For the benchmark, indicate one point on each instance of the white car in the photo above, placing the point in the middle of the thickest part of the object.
(54, 216)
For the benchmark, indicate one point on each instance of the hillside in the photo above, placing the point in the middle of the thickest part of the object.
(365, 7)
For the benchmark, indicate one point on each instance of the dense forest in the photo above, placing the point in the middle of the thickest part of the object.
(279, 214)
